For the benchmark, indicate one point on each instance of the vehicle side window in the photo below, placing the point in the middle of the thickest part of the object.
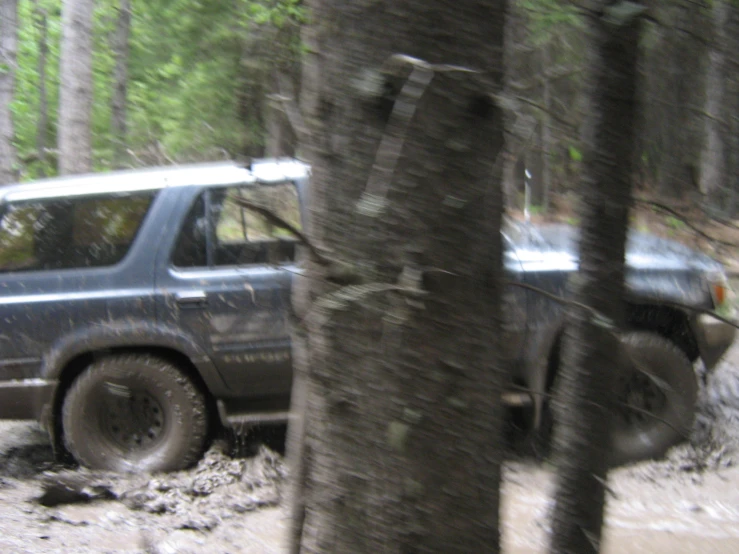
(243, 236)
(191, 244)
(66, 233)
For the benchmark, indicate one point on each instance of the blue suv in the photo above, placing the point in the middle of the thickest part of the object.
(136, 307)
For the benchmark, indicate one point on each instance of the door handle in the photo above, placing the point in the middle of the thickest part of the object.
(192, 298)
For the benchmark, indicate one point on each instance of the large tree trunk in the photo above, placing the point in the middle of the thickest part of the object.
(75, 94)
(396, 387)
(591, 350)
(731, 99)
(8, 51)
(120, 83)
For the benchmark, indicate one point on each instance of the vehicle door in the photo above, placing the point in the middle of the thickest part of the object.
(226, 280)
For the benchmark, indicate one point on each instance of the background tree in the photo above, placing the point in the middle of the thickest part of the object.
(75, 94)
(719, 166)
(591, 349)
(120, 49)
(396, 387)
(8, 61)
(40, 18)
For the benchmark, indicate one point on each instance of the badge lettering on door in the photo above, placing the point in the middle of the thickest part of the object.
(270, 357)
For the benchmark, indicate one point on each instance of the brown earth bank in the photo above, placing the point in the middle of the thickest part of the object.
(688, 502)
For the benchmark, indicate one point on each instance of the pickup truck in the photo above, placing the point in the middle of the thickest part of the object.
(140, 311)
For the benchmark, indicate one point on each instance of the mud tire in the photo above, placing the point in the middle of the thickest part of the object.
(668, 387)
(134, 413)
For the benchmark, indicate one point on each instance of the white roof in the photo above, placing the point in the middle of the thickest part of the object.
(208, 174)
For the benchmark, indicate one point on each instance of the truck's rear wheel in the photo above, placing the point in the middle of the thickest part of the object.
(655, 399)
(134, 413)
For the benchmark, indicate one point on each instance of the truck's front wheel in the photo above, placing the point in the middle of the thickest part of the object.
(655, 400)
(134, 413)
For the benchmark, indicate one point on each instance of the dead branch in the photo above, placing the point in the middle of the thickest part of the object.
(685, 220)
(596, 316)
(275, 219)
(554, 115)
(602, 318)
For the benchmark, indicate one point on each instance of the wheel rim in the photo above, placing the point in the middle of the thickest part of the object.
(640, 399)
(132, 419)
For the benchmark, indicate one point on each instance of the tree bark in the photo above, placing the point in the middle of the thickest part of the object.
(731, 99)
(120, 49)
(8, 63)
(41, 21)
(672, 125)
(396, 419)
(713, 159)
(75, 93)
(591, 349)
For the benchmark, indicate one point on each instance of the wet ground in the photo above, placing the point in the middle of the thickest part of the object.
(687, 503)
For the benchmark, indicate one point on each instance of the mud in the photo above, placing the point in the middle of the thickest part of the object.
(226, 503)
(688, 502)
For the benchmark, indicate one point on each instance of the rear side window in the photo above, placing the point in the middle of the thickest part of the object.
(66, 233)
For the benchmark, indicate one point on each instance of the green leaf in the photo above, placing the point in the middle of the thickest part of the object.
(575, 154)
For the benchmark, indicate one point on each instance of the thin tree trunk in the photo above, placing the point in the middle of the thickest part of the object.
(75, 93)
(41, 19)
(120, 83)
(591, 350)
(8, 63)
(546, 131)
(400, 447)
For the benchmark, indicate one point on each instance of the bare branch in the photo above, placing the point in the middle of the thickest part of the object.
(685, 220)
(554, 115)
(595, 314)
(275, 219)
(602, 318)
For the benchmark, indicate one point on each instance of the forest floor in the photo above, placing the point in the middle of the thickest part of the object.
(688, 502)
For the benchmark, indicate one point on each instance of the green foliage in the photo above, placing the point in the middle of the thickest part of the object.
(575, 154)
(25, 106)
(198, 73)
(537, 210)
(549, 17)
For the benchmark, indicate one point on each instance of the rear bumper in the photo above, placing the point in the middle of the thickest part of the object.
(714, 337)
(25, 398)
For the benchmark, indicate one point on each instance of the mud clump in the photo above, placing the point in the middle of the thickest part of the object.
(218, 488)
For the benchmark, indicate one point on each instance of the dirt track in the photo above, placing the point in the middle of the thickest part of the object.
(686, 503)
